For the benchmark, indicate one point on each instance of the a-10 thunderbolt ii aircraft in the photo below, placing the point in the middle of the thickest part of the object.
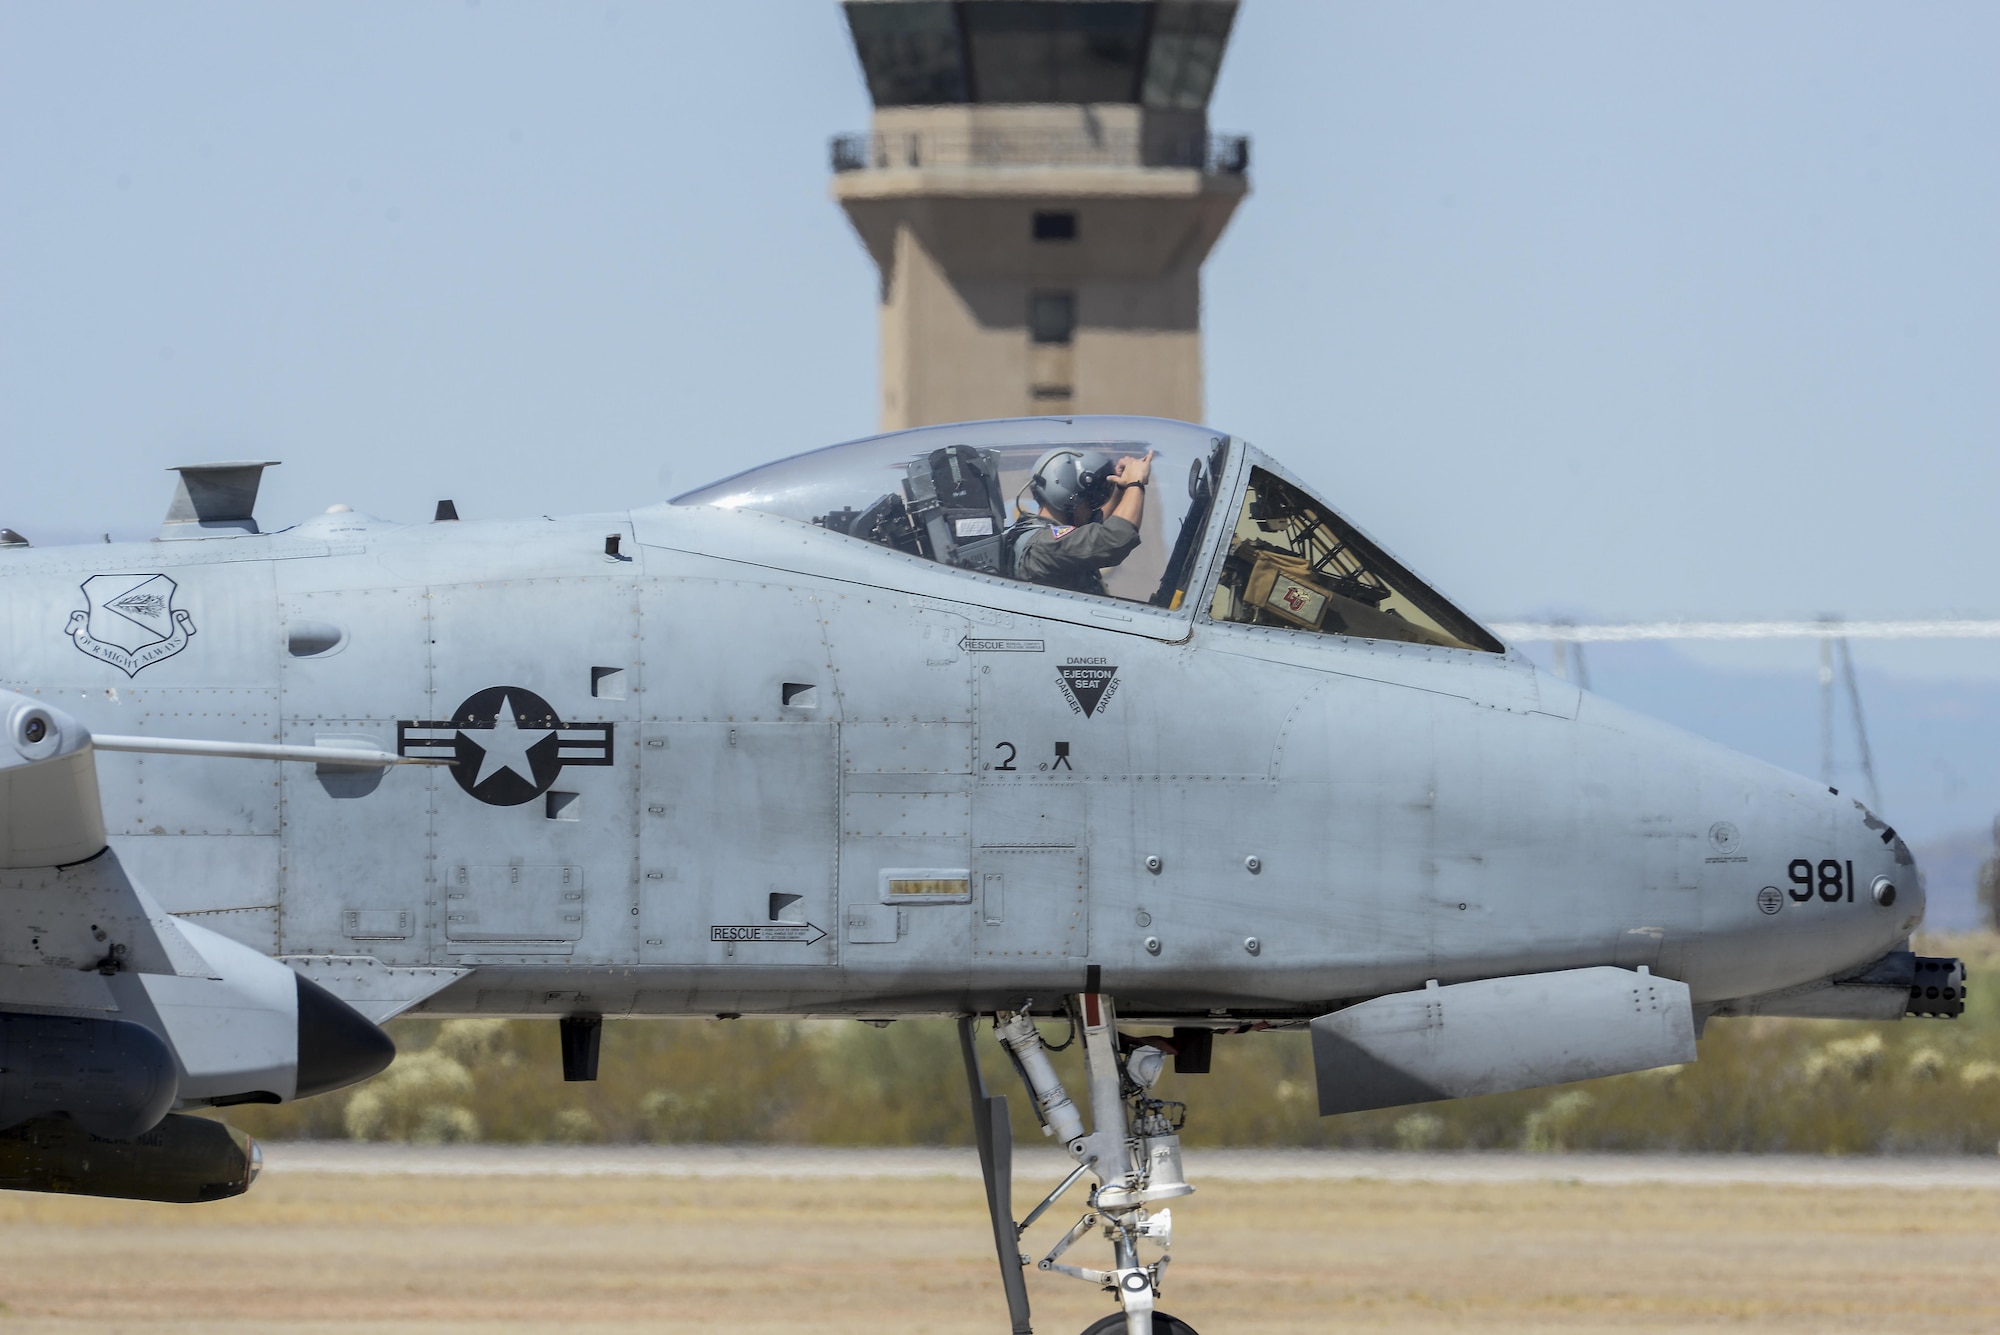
(795, 744)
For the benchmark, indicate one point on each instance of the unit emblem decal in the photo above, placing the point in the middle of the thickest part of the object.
(1088, 684)
(130, 621)
(507, 743)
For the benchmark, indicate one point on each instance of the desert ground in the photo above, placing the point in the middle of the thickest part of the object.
(421, 1241)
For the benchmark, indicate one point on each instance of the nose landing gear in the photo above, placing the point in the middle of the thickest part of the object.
(1133, 1152)
(1117, 1325)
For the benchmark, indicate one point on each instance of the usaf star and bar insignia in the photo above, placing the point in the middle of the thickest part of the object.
(508, 744)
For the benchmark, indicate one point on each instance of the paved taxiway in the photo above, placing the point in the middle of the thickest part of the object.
(1034, 1165)
(449, 1241)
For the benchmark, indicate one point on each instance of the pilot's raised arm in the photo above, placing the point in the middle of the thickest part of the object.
(1088, 522)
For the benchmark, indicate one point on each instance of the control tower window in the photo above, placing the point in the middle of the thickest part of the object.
(1034, 51)
(1293, 562)
(1052, 317)
(1055, 225)
(912, 53)
(1186, 52)
(1161, 53)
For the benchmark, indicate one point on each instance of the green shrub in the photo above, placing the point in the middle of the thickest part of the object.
(1802, 1086)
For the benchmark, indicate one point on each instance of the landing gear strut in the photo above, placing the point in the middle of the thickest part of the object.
(1133, 1152)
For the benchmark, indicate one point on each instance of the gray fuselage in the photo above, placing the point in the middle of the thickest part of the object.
(776, 769)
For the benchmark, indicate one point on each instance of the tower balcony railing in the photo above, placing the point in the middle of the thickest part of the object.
(1212, 154)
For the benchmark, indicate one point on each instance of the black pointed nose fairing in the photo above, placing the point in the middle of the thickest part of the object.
(338, 1045)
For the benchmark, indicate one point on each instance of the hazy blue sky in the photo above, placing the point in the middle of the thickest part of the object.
(1619, 309)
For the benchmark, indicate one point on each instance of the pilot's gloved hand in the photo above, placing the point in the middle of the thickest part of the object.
(1133, 472)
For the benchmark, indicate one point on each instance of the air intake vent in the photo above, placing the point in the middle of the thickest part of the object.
(215, 500)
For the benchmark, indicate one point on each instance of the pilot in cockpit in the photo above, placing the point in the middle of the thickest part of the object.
(1090, 508)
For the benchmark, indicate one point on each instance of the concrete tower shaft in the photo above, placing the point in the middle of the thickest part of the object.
(1038, 190)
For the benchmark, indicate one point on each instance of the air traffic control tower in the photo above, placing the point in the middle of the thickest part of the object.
(1039, 189)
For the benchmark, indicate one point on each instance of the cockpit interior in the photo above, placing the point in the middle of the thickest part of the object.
(951, 494)
(1292, 561)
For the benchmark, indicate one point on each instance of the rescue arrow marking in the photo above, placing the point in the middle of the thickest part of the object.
(799, 933)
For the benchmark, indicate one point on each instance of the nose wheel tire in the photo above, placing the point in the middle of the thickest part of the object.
(1162, 1325)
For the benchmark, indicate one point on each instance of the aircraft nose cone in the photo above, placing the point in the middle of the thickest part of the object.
(1882, 899)
(338, 1045)
(1896, 885)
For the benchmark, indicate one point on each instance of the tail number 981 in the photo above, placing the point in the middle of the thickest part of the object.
(1831, 881)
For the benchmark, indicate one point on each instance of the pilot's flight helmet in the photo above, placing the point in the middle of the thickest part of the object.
(1063, 479)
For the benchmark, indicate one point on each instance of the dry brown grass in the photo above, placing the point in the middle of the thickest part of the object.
(321, 1253)
(1761, 1086)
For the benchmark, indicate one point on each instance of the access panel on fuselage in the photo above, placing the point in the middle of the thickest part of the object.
(906, 785)
(1121, 782)
(166, 640)
(534, 850)
(357, 872)
(737, 843)
(738, 792)
(1059, 727)
(1033, 903)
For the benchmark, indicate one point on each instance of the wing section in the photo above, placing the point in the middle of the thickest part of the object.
(113, 1011)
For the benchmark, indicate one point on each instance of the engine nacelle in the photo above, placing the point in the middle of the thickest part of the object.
(242, 1028)
(182, 1160)
(122, 1011)
(115, 1078)
(49, 809)
(250, 1030)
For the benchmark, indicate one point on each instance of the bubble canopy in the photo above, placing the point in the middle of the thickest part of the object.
(950, 493)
